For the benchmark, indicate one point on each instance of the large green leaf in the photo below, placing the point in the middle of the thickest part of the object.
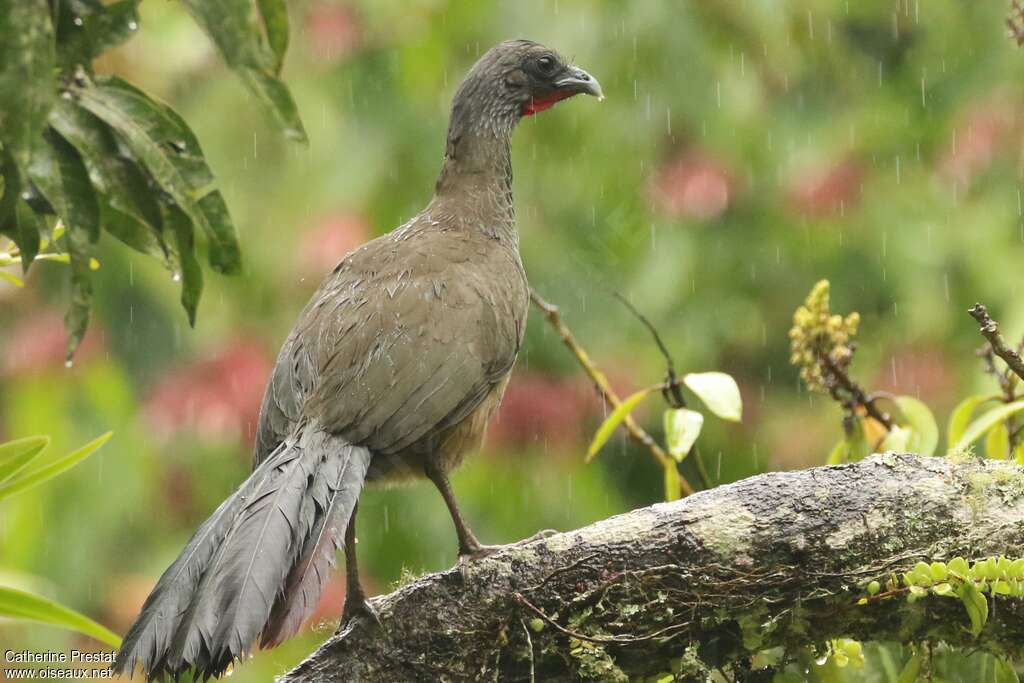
(682, 427)
(235, 28)
(916, 415)
(976, 605)
(128, 208)
(16, 604)
(15, 455)
(719, 393)
(607, 428)
(986, 421)
(171, 155)
(61, 177)
(76, 320)
(88, 28)
(47, 472)
(27, 75)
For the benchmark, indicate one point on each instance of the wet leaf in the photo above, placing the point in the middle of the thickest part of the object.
(925, 436)
(975, 604)
(719, 393)
(16, 604)
(682, 427)
(191, 273)
(27, 76)
(85, 30)
(61, 177)
(607, 428)
(275, 23)
(76, 320)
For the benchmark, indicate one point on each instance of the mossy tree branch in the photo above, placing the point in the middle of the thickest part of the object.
(779, 559)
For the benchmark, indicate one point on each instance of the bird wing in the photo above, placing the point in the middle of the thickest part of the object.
(406, 337)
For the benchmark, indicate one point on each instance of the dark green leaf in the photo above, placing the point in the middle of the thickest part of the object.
(168, 152)
(275, 23)
(61, 177)
(976, 605)
(128, 210)
(191, 273)
(88, 28)
(234, 26)
(27, 75)
(76, 320)
(15, 604)
(15, 455)
(17, 221)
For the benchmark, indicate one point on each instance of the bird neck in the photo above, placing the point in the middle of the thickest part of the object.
(477, 172)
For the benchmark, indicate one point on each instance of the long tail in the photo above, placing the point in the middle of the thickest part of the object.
(256, 567)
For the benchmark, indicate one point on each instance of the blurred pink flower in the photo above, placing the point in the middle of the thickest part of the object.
(693, 185)
(217, 397)
(829, 190)
(984, 132)
(333, 31)
(38, 341)
(329, 240)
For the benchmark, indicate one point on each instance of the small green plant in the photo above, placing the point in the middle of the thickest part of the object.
(822, 347)
(15, 458)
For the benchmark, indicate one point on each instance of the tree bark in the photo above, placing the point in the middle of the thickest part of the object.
(777, 560)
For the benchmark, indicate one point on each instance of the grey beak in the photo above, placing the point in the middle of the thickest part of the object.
(580, 81)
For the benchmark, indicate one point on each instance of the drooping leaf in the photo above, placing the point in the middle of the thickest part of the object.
(961, 417)
(925, 437)
(682, 427)
(852, 448)
(719, 393)
(30, 227)
(235, 28)
(59, 174)
(975, 604)
(671, 478)
(76, 319)
(16, 604)
(911, 669)
(191, 273)
(15, 455)
(27, 76)
(28, 244)
(47, 472)
(169, 154)
(275, 23)
(128, 208)
(980, 426)
(607, 428)
(997, 442)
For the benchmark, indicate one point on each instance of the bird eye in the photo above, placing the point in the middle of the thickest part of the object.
(546, 64)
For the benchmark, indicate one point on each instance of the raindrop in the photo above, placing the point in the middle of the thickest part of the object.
(77, 21)
(68, 363)
(176, 276)
(133, 26)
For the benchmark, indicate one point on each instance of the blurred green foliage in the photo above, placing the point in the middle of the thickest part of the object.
(745, 150)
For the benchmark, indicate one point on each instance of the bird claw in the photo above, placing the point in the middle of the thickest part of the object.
(352, 613)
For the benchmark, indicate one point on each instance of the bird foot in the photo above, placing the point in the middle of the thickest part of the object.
(357, 608)
(480, 551)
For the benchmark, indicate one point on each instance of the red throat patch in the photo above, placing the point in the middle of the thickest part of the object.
(539, 104)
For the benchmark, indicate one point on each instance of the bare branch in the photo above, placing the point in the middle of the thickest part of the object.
(990, 331)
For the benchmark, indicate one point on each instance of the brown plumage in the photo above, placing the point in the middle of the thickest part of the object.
(392, 371)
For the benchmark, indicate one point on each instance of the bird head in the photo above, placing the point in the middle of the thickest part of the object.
(519, 78)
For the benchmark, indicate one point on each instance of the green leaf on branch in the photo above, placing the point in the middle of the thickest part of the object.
(169, 151)
(985, 422)
(961, 417)
(76, 320)
(16, 455)
(719, 393)
(682, 427)
(607, 428)
(61, 177)
(16, 604)
(191, 273)
(27, 76)
(925, 432)
(47, 472)
(235, 28)
(671, 477)
(975, 604)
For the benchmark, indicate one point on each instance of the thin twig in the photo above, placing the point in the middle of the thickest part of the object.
(607, 640)
(854, 390)
(990, 331)
(635, 431)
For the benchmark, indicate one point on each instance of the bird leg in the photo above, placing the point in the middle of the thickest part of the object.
(355, 599)
(469, 547)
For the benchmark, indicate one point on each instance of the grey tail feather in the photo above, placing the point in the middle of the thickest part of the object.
(256, 567)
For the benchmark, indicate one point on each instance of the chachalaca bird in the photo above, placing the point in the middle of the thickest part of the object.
(392, 371)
